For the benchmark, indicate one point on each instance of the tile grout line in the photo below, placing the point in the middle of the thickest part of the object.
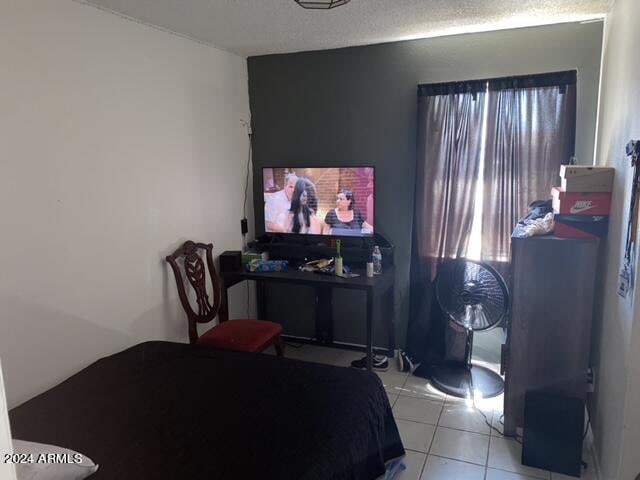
(459, 430)
(462, 429)
(525, 475)
(460, 461)
(486, 464)
(424, 465)
(441, 426)
(486, 467)
(522, 474)
(426, 457)
(427, 399)
(435, 432)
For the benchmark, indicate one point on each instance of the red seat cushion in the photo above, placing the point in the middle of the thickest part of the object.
(241, 335)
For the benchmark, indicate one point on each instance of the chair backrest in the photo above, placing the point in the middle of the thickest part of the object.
(195, 271)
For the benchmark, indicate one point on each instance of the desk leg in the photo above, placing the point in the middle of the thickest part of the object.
(369, 329)
(324, 315)
(223, 311)
(261, 297)
(389, 311)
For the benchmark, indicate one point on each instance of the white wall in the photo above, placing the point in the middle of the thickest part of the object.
(616, 403)
(118, 142)
(7, 470)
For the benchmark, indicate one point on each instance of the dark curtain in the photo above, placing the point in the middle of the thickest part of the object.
(530, 133)
(448, 154)
(449, 145)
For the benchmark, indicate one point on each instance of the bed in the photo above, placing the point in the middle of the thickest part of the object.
(162, 410)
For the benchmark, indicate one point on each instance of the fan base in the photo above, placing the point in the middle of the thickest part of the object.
(464, 382)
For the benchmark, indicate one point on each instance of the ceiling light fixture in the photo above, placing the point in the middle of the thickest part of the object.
(321, 4)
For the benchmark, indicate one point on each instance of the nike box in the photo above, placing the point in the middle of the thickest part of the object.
(580, 203)
(581, 226)
(586, 179)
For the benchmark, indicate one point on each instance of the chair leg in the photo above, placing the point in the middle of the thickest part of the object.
(279, 344)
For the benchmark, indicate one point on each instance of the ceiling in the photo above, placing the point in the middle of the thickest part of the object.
(258, 27)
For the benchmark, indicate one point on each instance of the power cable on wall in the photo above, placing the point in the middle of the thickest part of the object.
(244, 227)
(246, 183)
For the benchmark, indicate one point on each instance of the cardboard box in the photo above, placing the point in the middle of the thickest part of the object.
(581, 226)
(586, 179)
(580, 203)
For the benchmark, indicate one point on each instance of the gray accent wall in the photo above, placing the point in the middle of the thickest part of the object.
(357, 106)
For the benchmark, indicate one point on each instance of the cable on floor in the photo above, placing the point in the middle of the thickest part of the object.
(495, 429)
(486, 420)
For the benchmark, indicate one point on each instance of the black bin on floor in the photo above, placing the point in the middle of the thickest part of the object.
(553, 432)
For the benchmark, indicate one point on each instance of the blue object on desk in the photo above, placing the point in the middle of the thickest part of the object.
(258, 265)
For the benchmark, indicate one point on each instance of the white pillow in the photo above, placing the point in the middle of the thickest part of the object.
(38, 461)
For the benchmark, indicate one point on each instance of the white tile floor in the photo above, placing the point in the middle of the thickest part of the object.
(445, 438)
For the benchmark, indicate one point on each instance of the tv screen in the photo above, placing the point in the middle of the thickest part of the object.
(319, 201)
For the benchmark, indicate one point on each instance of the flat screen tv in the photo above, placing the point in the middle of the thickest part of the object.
(335, 201)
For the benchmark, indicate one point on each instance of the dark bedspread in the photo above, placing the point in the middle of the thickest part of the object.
(163, 410)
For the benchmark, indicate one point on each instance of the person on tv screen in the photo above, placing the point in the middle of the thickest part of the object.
(304, 206)
(345, 219)
(278, 205)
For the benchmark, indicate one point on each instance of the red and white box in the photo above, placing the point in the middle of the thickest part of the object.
(580, 203)
(581, 226)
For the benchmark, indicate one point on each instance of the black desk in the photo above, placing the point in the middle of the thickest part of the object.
(378, 289)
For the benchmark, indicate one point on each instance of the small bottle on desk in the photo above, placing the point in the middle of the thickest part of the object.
(337, 261)
(377, 260)
(338, 266)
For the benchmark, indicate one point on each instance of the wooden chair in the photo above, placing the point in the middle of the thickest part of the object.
(239, 335)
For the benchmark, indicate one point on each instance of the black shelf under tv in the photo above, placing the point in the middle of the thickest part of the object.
(302, 248)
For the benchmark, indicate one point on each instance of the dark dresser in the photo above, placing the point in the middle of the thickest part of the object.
(549, 331)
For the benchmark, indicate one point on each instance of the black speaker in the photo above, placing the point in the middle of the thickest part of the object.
(231, 261)
(553, 432)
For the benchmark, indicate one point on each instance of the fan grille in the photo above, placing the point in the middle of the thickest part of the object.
(472, 294)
